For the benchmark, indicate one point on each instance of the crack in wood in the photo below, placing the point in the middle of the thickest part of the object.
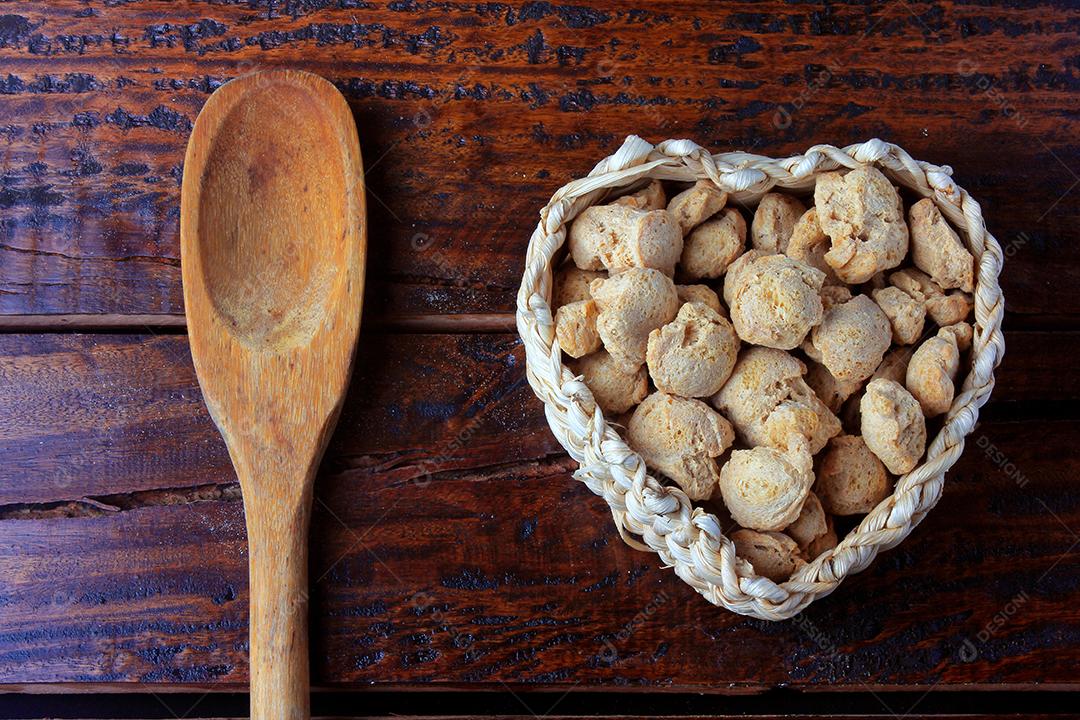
(449, 323)
(90, 506)
(157, 259)
(99, 505)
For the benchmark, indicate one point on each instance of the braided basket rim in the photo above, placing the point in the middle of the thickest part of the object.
(653, 517)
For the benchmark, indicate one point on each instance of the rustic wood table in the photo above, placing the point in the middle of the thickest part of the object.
(452, 550)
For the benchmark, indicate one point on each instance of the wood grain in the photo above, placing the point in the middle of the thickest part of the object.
(476, 113)
(273, 243)
(118, 419)
(451, 548)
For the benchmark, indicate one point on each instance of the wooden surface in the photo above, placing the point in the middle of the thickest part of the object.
(475, 113)
(451, 548)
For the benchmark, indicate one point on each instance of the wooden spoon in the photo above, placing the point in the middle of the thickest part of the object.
(273, 240)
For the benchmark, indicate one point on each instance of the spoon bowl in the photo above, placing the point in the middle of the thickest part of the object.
(273, 245)
(274, 192)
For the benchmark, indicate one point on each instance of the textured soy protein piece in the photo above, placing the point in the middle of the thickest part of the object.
(862, 214)
(711, 247)
(931, 373)
(615, 388)
(619, 237)
(831, 391)
(681, 439)
(851, 339)
(962, 332)
(575, 328)
(809, 243)
(572, 285)
(811, 524)
(943, 308)
(693, 355)
(833, 295)
(906, 314)
(772, 554)
(936, 248)
(826, 542)
(851, 480)
(694, 206)
(700, 294)
(892, 367)
(893, 426)
(734, 275)
(776, 302)
(633, 304)
(765, 488)
(650, 197)
(774, 221)
(767, 400)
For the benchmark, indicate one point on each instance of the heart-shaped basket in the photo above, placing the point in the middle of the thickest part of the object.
(652, 516)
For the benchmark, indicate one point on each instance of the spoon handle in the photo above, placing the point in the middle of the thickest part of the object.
(278, 568)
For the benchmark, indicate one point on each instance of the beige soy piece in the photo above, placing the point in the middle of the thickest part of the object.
(877, 282)
(700, 294)
(572, 285)
(851, 339)
(615, 388)
(936, 248)
(829, 390)
(809, 243)
(765, 488)
(962, 332)
(893, 426)
(774, 220)
(633, 304)
(711, 247)
(804, 415)
(697, 204)
(906, 314)
(773, 555)
(949, 308)
(650, 197)
(833, 295)
(811, 523)
(734, 275)
(931, 373)
(776, 302)
(894, 365)
(693, 355)
(619, 237)
(767, 399)
(851, 480)
(826, 542)
(575, 328)
(862, 214)
(943, 308)
(681, 439)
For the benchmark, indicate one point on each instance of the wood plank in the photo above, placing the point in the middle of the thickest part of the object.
(446, 323)
(471, 581)
(112, 416)
(452, 549)
(913, 716)
(471, 115)
(545, 700)
(118, 419)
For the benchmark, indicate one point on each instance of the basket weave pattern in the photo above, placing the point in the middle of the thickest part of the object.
(652, 516)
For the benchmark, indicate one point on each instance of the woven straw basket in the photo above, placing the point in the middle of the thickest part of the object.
(652, 516)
